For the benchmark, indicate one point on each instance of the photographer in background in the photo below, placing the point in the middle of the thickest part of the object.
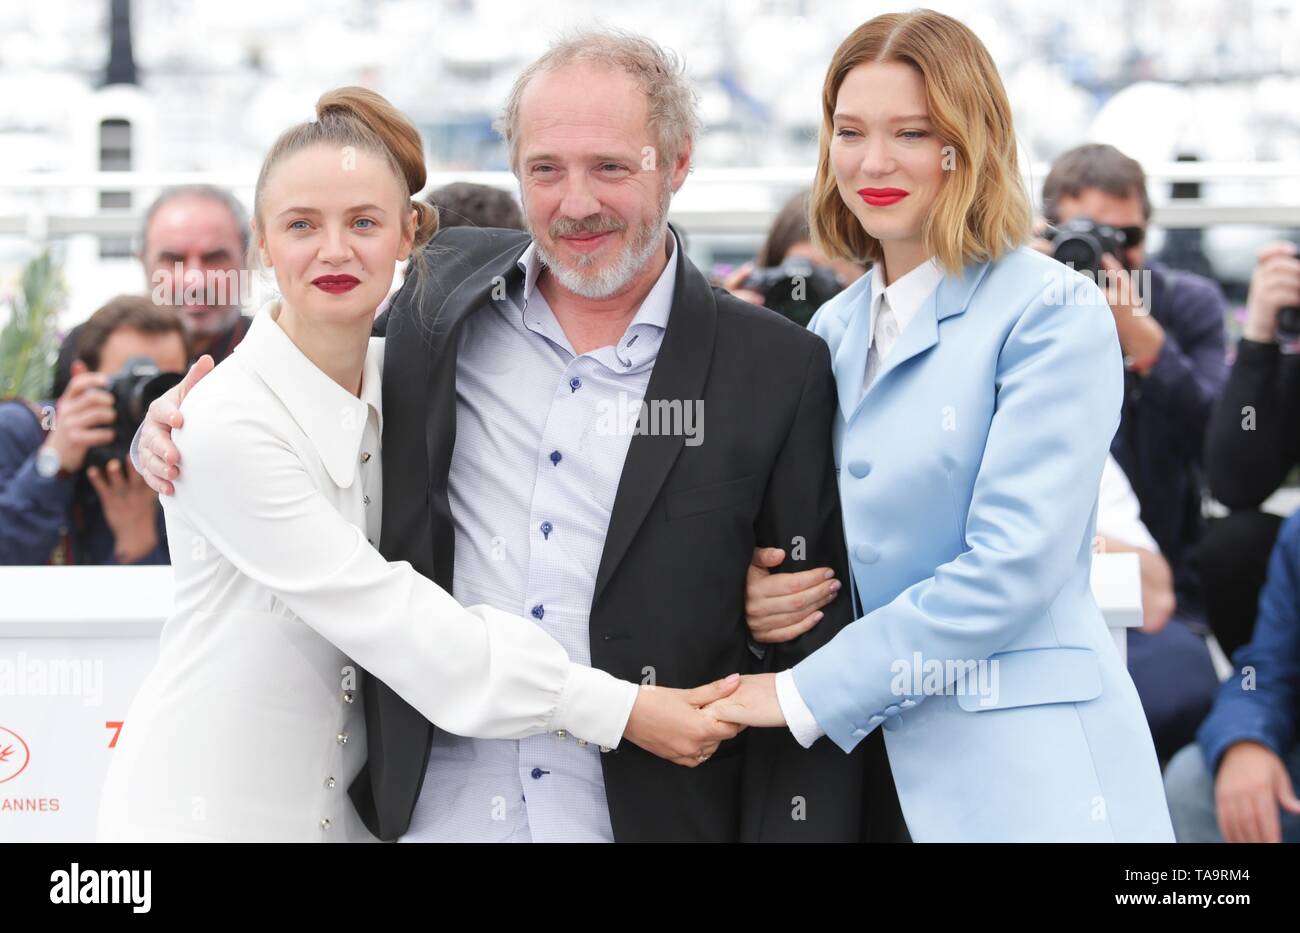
(1252, 444)
(68, 492)
(792, 276)
(1172, 337)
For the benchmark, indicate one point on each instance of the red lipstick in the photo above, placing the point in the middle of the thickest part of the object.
(882, 197)
(336, 284)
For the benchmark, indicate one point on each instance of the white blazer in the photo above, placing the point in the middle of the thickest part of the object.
(250, 725)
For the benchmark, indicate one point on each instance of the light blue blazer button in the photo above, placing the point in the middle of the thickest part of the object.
(891, 710)
(875, 720)
(866, 554)
(859, 468)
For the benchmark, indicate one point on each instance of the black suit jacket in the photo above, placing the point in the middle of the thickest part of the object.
(670, 591)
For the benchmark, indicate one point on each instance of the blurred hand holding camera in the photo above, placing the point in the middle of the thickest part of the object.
(84, 418)
(1274, 286)
(129, 506)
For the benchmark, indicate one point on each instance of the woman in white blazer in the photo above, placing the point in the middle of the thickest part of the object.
(249, 727)
(979, 388)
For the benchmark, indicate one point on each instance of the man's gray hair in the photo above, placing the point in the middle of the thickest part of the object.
(659, 72)
(209, 192)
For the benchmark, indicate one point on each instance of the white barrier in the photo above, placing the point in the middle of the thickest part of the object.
(76, 642)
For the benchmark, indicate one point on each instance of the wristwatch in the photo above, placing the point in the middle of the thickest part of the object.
(48, 462)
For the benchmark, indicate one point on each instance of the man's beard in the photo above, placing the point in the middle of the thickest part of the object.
(599, 283)
(216, 320)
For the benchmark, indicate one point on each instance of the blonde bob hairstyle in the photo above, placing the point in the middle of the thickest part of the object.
(982, 209)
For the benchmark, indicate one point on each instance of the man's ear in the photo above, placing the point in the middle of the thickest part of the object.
(682, 165)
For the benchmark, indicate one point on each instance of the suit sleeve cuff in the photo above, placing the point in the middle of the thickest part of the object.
(595, 706)
(803, 725)
(1214, 749)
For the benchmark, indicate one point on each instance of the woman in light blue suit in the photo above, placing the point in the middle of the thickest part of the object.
(979, 388)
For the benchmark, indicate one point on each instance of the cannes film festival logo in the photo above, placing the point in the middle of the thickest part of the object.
(14, 755)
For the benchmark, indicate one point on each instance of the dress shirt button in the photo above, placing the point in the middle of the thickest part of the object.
(859, 468)
(324, 824)
(365, 456)
(329, 782)
(582, 743)
(891, 710)
(537, 773)
(538, 611)
(907, 704)
(365, 499)
(875, 720)
(342, 738)
(604, 748)
(866, 554)
(575, 384)
(561, 734)
(547, 528)
(556, 458)
(347, 697)
(859, 733)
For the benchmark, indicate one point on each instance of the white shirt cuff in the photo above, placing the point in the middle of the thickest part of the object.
(594, 706)
(803, 724)
(135, 449)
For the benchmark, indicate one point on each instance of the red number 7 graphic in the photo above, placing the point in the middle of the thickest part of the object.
(117, 730)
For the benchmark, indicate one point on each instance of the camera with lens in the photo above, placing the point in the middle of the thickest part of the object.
(1080, 243)
(133, 388)
(795, 289)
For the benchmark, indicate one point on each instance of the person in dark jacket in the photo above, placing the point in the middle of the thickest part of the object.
(53, 507)
(1237, 783)
(1252, 444)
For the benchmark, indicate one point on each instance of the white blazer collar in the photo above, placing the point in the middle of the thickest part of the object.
(332, 418)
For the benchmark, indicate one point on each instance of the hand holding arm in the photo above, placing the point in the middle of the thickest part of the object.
(153, 454)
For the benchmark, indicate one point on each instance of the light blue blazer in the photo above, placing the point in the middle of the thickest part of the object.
(969, 474)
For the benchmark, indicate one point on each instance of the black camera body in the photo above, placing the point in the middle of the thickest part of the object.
(795, 289)
(1080, 243)
(133, 388)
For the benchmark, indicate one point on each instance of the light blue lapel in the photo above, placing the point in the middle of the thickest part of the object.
(850, 361)
(950, 298)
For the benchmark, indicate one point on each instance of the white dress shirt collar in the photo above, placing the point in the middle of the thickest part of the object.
(331, 417)
(907, 293)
